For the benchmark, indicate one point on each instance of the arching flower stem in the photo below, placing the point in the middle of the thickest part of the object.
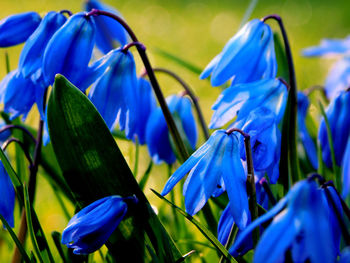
(160, 97)
(190, 93)
(19, 127)
(250, 181)
(66, 11)
(289, 165)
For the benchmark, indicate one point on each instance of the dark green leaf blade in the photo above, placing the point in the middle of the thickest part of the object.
(94, 167)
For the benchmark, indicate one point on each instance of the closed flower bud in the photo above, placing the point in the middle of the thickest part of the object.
(69, 50)
(109, 33)
(15, 29)
(91, 227)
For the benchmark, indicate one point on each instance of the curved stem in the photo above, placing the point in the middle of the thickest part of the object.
(268, 191)
(180, 146)
(290, 166)
(132, 44)
(192, 96)
(11, 127)
(26, 153)
(66, 11)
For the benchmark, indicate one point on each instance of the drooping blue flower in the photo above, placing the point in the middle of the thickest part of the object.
(243, 98)
(115, 94)
(148, 103)
(302, 213)
(157, 132)
(109, 34)
(338, 78)
(69, 50)
(17, 93)
(215, 161)
(308, 143)
(31, 58)
(346, 170)
(248, 56)
(265, 139)
(7, 196)
(15, 29)
(90, 228)
(338, 114)
(329, 47)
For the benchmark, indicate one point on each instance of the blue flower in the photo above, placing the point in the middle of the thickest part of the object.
(346, 170)
(243, 98)
(69, 50)
(31, 58)
(109, 33)
(157, 132)
(90, 228)
(338, 78)
(15, 29)
(265, 139)
(215, 164)
(248, 56)
(308, 143)
(17, 93)
(294, 219)
(329, 47)
(115, 93)
(338, 114)
(7, 196)
(345, 255)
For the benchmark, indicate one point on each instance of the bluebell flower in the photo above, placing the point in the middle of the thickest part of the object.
(345, 255)
(216, 161)
(109, 33)
(346, 170)
(265, 139)
(302, 213)
(338, 78)
(248, 56)
(308, 143)
(243, 98)
(115, 93)
(7, 196)
(15, 29)
(329, 47)
(69, 50)
(31, 58)
(90, 228)
(157, 132)
(338, 114)
(17, 93)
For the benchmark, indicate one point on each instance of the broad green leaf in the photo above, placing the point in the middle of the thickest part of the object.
(201, 228)
(94, 167)
(180, 61)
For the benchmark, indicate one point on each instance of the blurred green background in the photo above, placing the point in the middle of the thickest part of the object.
(195, 31)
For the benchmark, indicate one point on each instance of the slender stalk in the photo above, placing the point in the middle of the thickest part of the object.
(19, 127)
(290, 166)
(192, 96)
(7, 62)
(251, 181)
(66, 11)
(26, 153)
(268, 191)
(137, 153)
(180, 146)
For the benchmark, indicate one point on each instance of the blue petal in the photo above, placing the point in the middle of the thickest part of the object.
(277, 238)
(187, 120)
(209, 68)
(16, 29)
(7, 196)
(346, 170)
(225, 225)
(235, 182)
(338, 78)
(329, 47)
(63, 53)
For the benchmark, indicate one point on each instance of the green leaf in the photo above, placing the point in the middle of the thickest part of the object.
(94, 167)
(15, 239)
(180, 61)
(201, 228)
(282, 69)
